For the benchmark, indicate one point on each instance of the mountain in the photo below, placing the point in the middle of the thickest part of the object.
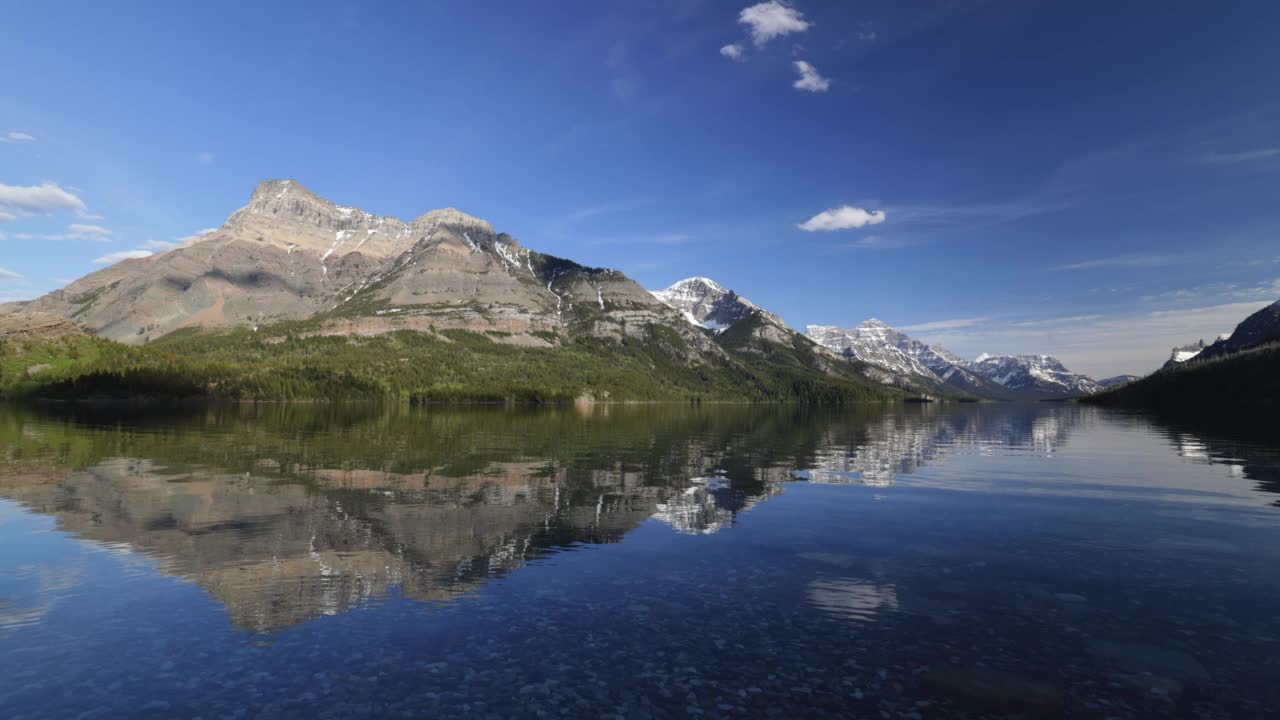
(1183, 353)
(1117, 381)
(1258, 329)
(898, 359)
(1042, 376)
(291, 255)
(1233, 380)
(298, 297)
(705, 303)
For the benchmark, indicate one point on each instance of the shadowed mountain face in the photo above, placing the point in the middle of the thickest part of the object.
(288, 513)
(1258, 329)
(291, 255)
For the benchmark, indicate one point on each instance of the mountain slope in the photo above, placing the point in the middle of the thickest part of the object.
(1258, 329)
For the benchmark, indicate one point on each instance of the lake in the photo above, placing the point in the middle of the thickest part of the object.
(306, 561)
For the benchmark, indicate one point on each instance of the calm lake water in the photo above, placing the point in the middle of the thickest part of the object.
(653, 562)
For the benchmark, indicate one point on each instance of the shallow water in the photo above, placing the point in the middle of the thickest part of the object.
(653, 562)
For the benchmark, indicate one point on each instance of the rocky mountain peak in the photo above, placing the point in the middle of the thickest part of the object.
(451, 217)
(706, 303)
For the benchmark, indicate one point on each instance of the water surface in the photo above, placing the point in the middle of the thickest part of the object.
(654, 562)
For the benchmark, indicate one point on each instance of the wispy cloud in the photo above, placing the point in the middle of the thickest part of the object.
(9, 275)
(97, 233)
(10, 137)
(769, 20)
(1140, 260)
(668, 239)
(1099, 345)
(115, 257)
(18, 200)
(1223, 291)
(845, 217)
(877, 242)
(978, 212)
(190, 238)
(810, 80)
(1242, 156)
(944, 324)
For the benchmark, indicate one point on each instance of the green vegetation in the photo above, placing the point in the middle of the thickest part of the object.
(285, 362)
(1245, 386)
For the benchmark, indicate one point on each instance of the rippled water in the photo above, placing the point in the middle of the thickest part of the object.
(653, 562)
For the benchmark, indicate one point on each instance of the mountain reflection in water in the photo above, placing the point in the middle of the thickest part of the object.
(428, 561)
(284, 513)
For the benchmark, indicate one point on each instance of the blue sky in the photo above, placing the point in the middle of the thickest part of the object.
(1093, 180)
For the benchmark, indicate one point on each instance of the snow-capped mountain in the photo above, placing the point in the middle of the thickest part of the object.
(1116, 381)
(705, 303)
(908, 361)
(1183, 353)
(903, 359)
(1042, 375)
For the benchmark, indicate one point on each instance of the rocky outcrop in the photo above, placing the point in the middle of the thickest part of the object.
(36, 325)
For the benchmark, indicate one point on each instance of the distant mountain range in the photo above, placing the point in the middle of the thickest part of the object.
(892, 357)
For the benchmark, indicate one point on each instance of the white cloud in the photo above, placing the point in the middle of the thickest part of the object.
(733, 51)
(16, 137)
(1244, 156)
(115, 257)
(9, 275)
(809, 79)
(18, 200)
(772, 19)
(844, 217)
(1146, 260)
(205, 158)
(96, 233)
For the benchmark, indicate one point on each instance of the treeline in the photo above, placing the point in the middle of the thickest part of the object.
(283, 363)
(1244, 386)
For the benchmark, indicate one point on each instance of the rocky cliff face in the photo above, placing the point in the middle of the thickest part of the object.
(291, 255)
